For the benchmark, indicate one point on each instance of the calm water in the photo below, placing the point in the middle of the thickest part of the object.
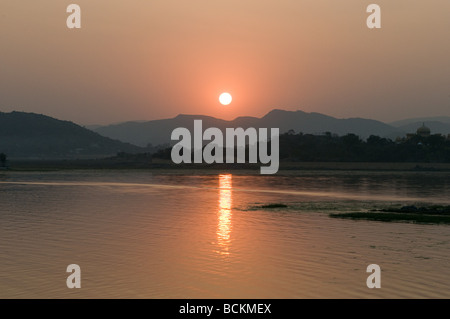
(140, 234)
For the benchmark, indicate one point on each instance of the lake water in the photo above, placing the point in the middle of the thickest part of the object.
(200, 234)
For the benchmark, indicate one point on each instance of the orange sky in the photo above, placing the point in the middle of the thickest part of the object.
(143, 60)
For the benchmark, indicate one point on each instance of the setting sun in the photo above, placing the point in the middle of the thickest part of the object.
(225, 98)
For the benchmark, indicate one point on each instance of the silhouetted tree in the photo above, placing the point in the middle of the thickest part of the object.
(3, 159)
(290, 132)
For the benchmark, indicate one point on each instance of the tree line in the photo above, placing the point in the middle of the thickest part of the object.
(351, 148)
(299, 147)
(3, 158)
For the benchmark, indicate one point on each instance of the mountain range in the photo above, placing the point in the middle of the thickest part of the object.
(31, 135)
(158, 131)
(38, 136)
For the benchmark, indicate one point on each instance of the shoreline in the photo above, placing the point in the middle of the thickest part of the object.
(114, 164)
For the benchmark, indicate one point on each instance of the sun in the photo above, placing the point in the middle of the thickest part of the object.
(225, 98)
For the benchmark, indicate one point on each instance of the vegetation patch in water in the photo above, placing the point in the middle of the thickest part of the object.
(424, 215)
(266, 206)
(423, 210)
(275, 205)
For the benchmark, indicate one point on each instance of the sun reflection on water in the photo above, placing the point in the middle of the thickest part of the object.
(224, 214)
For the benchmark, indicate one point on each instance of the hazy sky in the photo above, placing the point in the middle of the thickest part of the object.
(152, 59)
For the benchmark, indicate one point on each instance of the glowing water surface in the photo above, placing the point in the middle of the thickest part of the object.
(187, 234)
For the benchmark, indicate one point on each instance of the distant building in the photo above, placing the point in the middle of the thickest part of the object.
(423, 131)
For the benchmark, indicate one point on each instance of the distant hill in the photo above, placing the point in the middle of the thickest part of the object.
(436, 127)
(437, 124)
(30, 135)
(403, 123)
(158, 131)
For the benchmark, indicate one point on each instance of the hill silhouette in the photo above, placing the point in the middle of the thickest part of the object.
(414, 121)
(31, 135)
(434, 126)
(158, 131)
